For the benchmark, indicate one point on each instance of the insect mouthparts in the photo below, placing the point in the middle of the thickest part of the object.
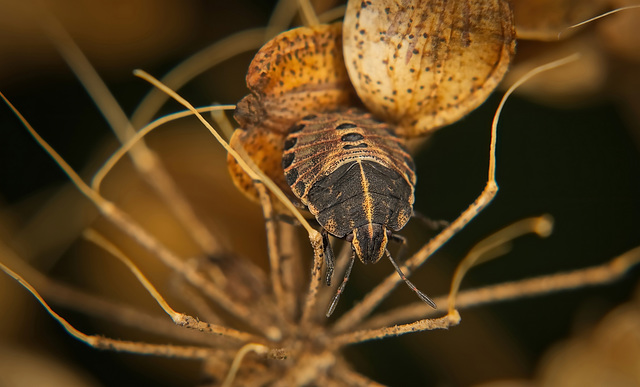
(370, 242)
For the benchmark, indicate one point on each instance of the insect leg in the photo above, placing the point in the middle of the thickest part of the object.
(328, 256)
(403, 245)
(432, 224)
(347, 273)
(288, 219)
(422, 296)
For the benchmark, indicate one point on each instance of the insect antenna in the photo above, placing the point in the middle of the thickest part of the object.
(422, 296)
(347, 273)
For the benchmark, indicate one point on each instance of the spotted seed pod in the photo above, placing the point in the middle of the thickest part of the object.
(424, 64)
(297, 71)
(300, 71)
(354, 175)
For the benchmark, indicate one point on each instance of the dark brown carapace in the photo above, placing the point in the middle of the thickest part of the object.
(354, 175)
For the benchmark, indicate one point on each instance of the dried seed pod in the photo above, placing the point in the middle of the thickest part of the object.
(299, 72)
(354, 175)
(422, 65)
(265, 149)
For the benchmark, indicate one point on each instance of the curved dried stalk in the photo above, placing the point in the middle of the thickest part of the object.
(112, 344)
(591, 20)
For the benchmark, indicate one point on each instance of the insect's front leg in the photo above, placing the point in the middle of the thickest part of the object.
(403, 245)
(328, 256)
(433, 224)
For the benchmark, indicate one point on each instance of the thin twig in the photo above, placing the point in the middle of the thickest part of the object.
(606, 273)
(112, 344)
(195, 300)
(343, 375)
(314, 283)
(178, 318)
(283, 305)
(79, 300)
(293, 276)
(397, 330)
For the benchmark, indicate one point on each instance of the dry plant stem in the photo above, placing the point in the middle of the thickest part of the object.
(599, 17)
(597, 275)
(308, 14)
(281, 17)
(175, 200)
(293, 274)
(333, 14)
(351, 319)
(98, 239)
(285, 11)
(223, 122)
(496, 245)
(178, 318)
(311, 369)
(245, 162)
(235, 365)
(349, 377)
(314, 284)
(108, 165)
(117, 345)
(145, 160)
(195, 300)
(397, 330)
(126, 224)
(162, 350)
(190, 273)
(195, 65)
(79, 300)
(93, 84)
(282, 299)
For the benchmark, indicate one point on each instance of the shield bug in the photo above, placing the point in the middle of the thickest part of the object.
(355, 176)
(416, 66)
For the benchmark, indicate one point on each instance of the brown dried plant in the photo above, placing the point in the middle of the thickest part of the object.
(260, 320)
